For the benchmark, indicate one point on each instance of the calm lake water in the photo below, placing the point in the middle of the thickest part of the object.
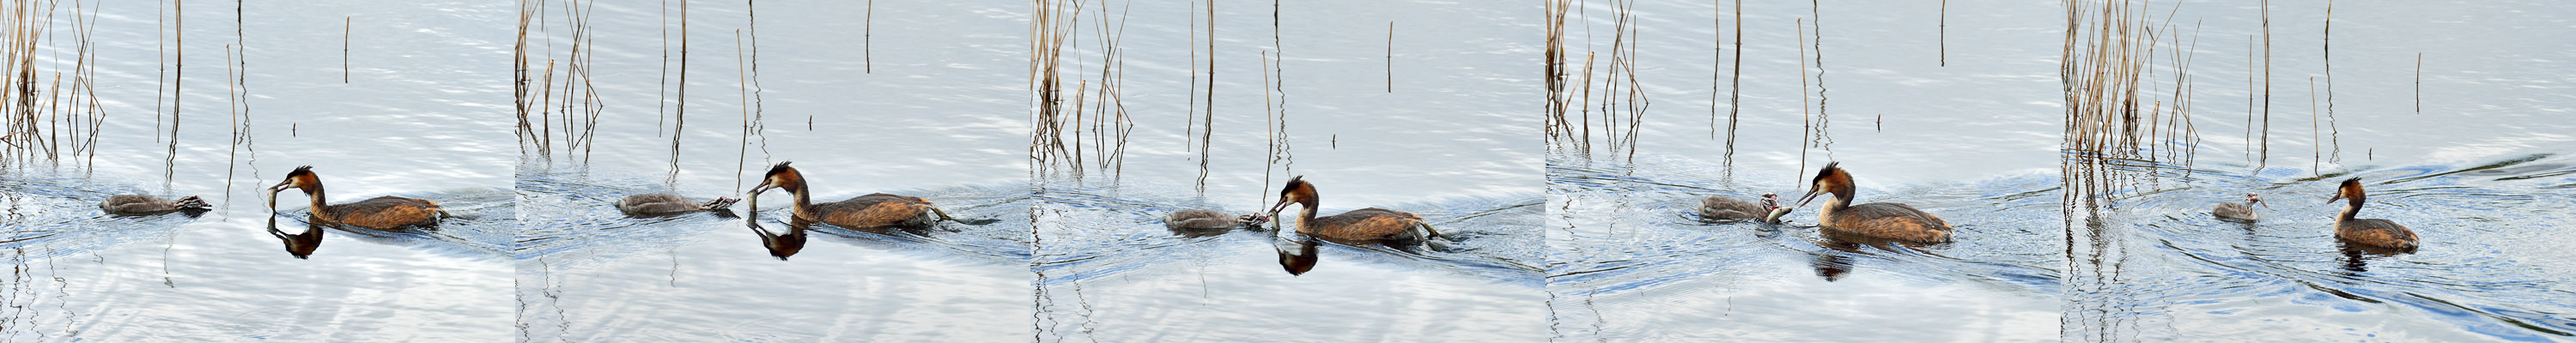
(1976, 142)
(932, 109)
(411, 121)
(2453, 114)
(1443, 134)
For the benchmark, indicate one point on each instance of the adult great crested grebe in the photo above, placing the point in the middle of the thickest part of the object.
(1361, 225)
(1878, 220)
(380, 213)
(2373, 232)
(862, 212)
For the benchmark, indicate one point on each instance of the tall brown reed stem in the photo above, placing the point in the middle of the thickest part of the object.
(868, 40)
(235, 106)
(2335, 139)
(1207, 130)
(1735, 93)
(1806, 126)
(662, 107)
(742, 81)
(179, 38)
(2267, 87)
(519, 80)
(680, 107)
(1277, 81)
(1823, 118)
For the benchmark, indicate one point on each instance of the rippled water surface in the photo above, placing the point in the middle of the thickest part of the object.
(1629, 260)
(590, 273)
(1110, 270)
(416, 118)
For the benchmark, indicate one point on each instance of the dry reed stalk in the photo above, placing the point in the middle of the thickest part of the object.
(1735, 93)
(1207, 130)
(868, 40)
(742, 82)
(1806, 127)
(680, 107)
(2113, 117)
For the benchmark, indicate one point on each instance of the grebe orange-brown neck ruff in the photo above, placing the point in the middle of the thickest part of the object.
(2373, 232)
(380, 213)
(1878, 220)
(862, 212)
(1357, 226)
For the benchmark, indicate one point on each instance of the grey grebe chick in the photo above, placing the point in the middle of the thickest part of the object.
(139, 204)
(380, 213)
(1716, 208)
(1361, 225)
(2372, 232)
(1208, 220)
(666, 203)
(862, 212)
(2240, 211)
(1877, 220)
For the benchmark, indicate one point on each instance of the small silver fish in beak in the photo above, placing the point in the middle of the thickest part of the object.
(273, 190)
(754, 196)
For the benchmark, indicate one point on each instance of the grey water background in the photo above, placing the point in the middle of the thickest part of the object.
(1975, 141)
(410, 121)
(1430, 123)
(929, 105)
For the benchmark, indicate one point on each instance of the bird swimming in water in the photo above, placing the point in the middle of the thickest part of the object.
(1716, 208)
(139, 204)
(1361, 225)
(379, 213)
(666, 203)
(870, 211)
(1876, 220)
(2372, 232)
(1208, 220)
(2240, 211)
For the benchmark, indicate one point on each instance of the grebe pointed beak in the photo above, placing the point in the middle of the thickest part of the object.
(1275, 208)
(1811, 196)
